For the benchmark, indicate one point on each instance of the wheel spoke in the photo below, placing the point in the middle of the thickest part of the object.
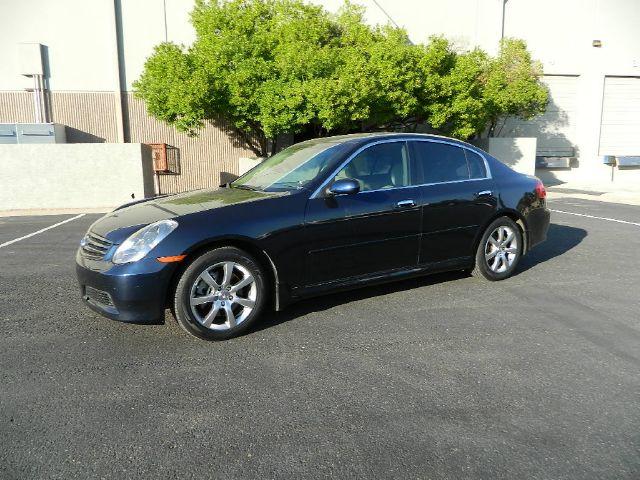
(497, 263)
(231, 318)
(206, 276)
(245, 302)
(512, 250)
(247, 280)
(211, 315)
(509, 238)
(492, 254)
(494, 242)
(228, 271)
(202, 300)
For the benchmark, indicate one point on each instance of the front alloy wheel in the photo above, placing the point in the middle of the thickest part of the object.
(223, 295)
(220, 294)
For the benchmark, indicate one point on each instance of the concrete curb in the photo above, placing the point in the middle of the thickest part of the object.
(52, 211)
(625, 197)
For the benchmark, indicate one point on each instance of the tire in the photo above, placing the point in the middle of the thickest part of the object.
(499, 250)
(221, 294)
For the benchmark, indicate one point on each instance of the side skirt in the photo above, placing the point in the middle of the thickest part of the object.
(380, 277)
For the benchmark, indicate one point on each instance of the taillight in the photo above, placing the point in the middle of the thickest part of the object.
(541, 192)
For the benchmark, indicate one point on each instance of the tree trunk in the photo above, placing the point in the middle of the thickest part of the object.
(249, 141)
(504, 122)
(492, 127)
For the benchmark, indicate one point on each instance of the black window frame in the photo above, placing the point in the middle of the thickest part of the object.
(414, 173)
(411, 174)
(467, 153)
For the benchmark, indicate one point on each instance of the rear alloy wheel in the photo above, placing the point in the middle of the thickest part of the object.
(499, 250)
(220, 294)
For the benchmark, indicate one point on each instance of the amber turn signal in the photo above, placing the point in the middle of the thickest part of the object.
(175, 258)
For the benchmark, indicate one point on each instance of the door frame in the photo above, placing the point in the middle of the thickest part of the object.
(318, 192)
(391, 192)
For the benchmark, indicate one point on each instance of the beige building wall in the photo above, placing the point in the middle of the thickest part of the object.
(89, 84)
(88, 116)
(91, 79)
(560, 35)
(203, 160)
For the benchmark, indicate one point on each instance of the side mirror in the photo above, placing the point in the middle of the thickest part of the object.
(344, 186)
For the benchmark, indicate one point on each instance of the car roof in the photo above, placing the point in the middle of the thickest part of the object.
(358, 139)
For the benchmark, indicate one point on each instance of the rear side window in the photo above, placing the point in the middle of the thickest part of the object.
(440, 162)
(477, 168)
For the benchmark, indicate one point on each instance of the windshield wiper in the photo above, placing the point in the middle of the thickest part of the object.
(297, 185)
(245, 187)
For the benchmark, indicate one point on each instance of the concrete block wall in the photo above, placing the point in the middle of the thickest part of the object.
(519, 152)
(78, 176)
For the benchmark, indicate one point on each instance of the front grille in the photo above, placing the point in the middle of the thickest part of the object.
(94, 246)
(98, 296)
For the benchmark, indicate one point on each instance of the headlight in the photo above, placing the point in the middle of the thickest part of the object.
(142, 242)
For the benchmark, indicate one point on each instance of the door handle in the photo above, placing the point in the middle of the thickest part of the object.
(484, 193)
(405, 204)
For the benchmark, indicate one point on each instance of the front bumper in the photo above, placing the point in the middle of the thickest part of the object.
(133, 292)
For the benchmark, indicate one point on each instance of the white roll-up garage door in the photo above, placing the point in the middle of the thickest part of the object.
(620, 127)
(556, 128)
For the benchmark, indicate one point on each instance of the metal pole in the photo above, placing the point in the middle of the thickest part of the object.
(504, 9)
(36, 99)
(389, 17)
(118, 67)
(166, 32)
(43, 100)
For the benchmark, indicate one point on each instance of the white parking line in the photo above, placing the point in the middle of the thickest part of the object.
(593, 216)
(42, 230)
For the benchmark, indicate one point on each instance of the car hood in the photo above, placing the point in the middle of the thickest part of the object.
(120, 223)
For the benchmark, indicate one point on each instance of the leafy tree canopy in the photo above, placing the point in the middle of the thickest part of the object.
(283, 66)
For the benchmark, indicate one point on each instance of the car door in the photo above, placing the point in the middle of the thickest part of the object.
(372, 231)
(457, 198)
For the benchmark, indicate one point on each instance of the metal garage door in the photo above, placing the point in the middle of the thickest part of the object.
(620, 128)
(556, 128)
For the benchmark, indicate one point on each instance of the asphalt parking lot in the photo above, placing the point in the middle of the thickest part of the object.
(442, 377)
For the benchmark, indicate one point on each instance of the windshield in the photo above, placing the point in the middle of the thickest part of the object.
(292, 168)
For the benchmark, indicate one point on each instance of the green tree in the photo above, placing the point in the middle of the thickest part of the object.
(282, 66)
(373, 81)
(453, 104)
(252, 63)
(476, 93)
(175, 89)
(512, 87)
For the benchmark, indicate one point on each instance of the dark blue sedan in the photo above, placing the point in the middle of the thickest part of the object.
(322, 215)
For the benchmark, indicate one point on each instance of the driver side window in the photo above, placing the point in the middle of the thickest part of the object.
(381, 166)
